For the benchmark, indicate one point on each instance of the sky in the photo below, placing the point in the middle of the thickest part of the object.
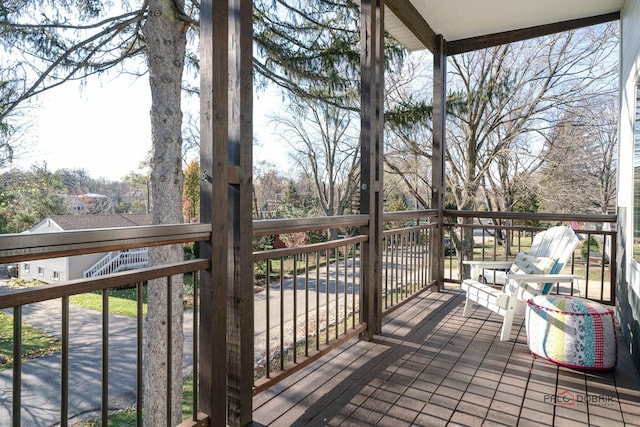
(104, 128)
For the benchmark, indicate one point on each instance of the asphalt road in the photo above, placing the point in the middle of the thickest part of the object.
(41, 376)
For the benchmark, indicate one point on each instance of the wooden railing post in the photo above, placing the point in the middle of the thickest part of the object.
(372, 127)
(239, 186)
(214, 83)
(226, 373)
(437, 162)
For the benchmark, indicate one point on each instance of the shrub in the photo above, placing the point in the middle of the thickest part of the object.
(590, 245)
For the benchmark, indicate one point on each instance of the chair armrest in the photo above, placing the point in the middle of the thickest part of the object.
(489, 264)
(478, 266)
(526, 286)
(542, 278)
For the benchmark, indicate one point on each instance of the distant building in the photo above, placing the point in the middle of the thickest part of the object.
(76, 206)
(90, 203)
(75, 267)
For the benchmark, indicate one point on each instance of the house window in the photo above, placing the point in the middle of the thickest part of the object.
(25, 267)
(636, 179)
(40, 271)
(56, 275)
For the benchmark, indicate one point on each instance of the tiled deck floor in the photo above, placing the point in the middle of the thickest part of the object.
(434, 367)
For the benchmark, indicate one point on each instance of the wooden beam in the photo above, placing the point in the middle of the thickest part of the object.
(371, 168)
(226, 132)
(482, 42)
(377, 223)
(409, 15)
(239, 256)
(367, 113)
(438, 155)
(214, 99)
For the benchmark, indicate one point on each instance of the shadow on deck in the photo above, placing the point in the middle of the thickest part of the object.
(431, 366)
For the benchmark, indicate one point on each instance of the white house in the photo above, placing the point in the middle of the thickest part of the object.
(90, 203)
(628, 286)
(74, 267)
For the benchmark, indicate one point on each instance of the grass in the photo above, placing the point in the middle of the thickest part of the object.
(121, 301)
(187, 397)
(34, 342)
(124, 300)
(124, 418)
(127, 417)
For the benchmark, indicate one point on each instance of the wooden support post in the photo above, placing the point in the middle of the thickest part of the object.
(240, 332)
(226, 104)
(214, 83)
(437, 162)
(372, 127)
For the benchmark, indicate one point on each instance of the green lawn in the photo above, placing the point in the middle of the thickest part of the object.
(127, 417)
(121, 301)
(34, 342)
(124, 300)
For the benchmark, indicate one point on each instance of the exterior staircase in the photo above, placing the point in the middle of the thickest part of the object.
(113, 262)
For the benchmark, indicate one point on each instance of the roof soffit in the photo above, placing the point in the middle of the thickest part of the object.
(468, 19)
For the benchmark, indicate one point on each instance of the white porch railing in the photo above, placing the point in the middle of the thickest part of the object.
(119, 261)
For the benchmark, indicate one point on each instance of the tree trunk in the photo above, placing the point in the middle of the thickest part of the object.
(165, 33)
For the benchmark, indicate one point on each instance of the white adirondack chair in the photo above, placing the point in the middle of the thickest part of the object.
(549, 252)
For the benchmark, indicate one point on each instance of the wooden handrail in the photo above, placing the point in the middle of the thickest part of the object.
(31, 246)
(18, 297)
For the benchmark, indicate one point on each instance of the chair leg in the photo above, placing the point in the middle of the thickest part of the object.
(507, 323)
(520, 308)
(467, 307)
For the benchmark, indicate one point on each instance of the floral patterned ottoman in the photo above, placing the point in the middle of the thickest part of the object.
(572, 331)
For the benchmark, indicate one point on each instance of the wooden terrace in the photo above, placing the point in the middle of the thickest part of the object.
(419, 362)
(431, 366)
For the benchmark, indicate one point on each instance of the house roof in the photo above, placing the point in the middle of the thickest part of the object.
(414, 22)
(93, 196)
(86, 222)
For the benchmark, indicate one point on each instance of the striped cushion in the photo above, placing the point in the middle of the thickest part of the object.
(571, 331)
(529, 264)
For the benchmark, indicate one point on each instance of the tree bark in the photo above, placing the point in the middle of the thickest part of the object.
(165, 33)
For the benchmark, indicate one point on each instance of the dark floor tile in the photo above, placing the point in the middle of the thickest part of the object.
(456, 373)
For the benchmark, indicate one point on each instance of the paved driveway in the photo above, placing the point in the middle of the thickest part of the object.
(41, 376)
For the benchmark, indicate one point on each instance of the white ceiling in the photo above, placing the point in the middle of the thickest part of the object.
(460, 19)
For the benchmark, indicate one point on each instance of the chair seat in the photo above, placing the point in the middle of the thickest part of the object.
(494, 299)
(485, 295)
(571, 331)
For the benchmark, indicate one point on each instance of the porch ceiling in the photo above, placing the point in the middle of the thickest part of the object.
(412, 22)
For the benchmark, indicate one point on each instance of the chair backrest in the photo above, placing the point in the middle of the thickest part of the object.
(556, 242)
